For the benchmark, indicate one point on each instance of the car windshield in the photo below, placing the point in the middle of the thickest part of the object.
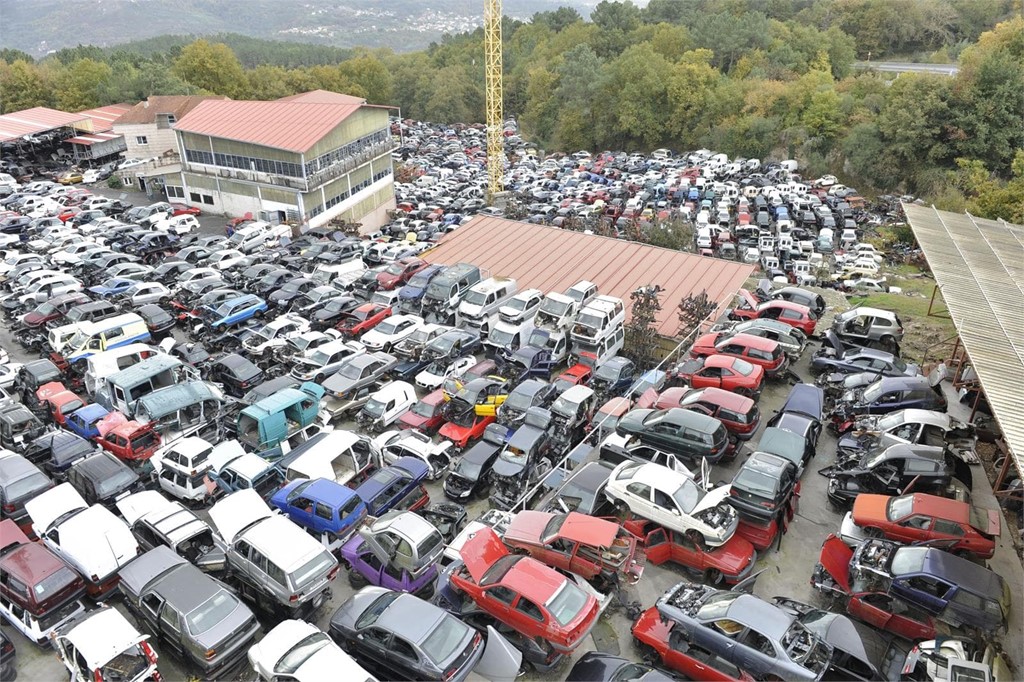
(301, 652)
(519, 401)
(312, 569)
(44, 309)
(395, 268)
(374, 407)
(908, 560)
(319, 358)
(351, 371)
(445, 639)
(589, 320)
(211, 612)
(891, 421)
(336, 304)
(688, 496)
(24, 486)
(552, 527)
(899, 507)
(500, 337)
(468, 469)
(899, 365)
(554, 308)
(475, 297)
(756, 482)
(424, 409)
(567, 603)
(743, 367)
(716, 606)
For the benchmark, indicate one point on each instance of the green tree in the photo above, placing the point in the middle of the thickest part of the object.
(637, 81)
(823, 117)
(79, 84)
(22, 86)
(615, 21)
(371, 75)
(267, 83)
(541, 115)
(557, 20)
(11, 55)
(212, 67)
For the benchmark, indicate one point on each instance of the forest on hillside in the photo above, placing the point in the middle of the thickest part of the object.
(757, 78)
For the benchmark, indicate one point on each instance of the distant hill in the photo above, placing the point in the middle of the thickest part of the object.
(42, 26)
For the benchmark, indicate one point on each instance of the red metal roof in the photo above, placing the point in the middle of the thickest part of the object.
(93, 138)
(552, 259)
(322, 97)
(36, 120)
(103, 118)
(293, 126)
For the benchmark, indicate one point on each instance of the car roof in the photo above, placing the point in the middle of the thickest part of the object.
(941, 507)
(957, 570)
(718, 396)
(533, 579)
(411, 617)
(692, 420)
(100, 466)
(764, 617)
(102, 635)
(758, 342)
(30, 562)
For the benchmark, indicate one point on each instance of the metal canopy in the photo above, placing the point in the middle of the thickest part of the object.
(979, 267)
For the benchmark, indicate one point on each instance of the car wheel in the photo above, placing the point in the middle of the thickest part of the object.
(259, 314)
(645, 652)
(356, 579)
(745, 392)
(319, 378)
(713, 576)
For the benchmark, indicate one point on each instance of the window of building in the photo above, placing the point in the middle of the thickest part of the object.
(175, 192)
(197, 197)
(141, 139)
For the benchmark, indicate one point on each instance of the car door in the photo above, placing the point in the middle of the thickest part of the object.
(170, 626)
(372, 644)
(914, 528)
(497, 601)
(926, 591)
(686, 552)
(658, 548)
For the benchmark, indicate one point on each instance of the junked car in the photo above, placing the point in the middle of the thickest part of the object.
(103, 646)
(399, 551)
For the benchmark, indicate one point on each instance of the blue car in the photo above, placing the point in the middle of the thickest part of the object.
(399, 486)
(83, 421)
(413, 291)
(326, 509)
(113, 287)
(889, 394)
(234, 311)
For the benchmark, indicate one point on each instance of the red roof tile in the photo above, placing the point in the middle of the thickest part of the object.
(103, 117)
(294, 126)
(552, 259)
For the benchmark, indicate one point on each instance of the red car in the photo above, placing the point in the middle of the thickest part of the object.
(597, 549)
(881, 609)
(730, 563)
(739, 413)
(470, 427)
(919, 517)
(426, 415)
(661, 638)
(60, 400)
(68, 212)
(185, 209)
(793, 314)
(721, 371)
(363, 319)
(576, 375)
(399, 272)
(127, 440)
(533, 599)
(763, 535)
(756, 350)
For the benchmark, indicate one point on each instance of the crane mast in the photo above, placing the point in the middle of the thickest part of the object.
(493, 98)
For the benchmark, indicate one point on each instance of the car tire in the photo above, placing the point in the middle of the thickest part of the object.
(713, 576)
(319, 378)
(356, 579)
(745, 392)
(645, 652)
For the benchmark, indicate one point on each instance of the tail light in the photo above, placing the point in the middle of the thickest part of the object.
(294, 598)
(97, 676)
(9, 508)
(333, 573)
(150, 654)
(210, 654)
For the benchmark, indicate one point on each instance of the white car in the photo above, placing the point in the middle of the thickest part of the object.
(673, 500)
(94, 541)
(182, 466)
(434, 375)
(391, 332)
(103, 646)
(385, 406)
(225, 259)
(148, 292)
(275, 334)
(324, 360)
(90, 176)
(179, 224)
(411, 443)
(129, 270)
(8, 372)
(296, 650)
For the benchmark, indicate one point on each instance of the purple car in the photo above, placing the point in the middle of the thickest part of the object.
(413, 569)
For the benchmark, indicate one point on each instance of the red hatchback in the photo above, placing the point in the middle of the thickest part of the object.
(399, 272)
(185, 209)
(729, 563)
(756, 350)
(533, 599)
(738, 413)
(721, 371)
(677, 651)
(793, 314)
(363, 319)
(426, 415)
(918, 517)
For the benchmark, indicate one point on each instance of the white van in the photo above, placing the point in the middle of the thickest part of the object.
(598, 319)
(101, 365)
(508, 335)
(478, 309)
(596, 353)
(95, 337)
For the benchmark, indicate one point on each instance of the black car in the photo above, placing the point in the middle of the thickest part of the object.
(468, 476)
(103, 479)
(888, 471)
(763, 486)
(8, 669)
(682, 432)
(530, 393)
(56, 451)
(583, 492)
(291, 291)
(272, 281)
(20, 481)
(192, 353)
(802, 414)
(596, 666)
(332, 311)
(235, 373)
(158, 321)
(168, 271)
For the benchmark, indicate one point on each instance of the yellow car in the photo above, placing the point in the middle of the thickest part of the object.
(70, 178)
(485, 394)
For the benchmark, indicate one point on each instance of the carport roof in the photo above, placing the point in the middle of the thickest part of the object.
(36, 120)
(552, 259)
(103, 118)
(979, 267)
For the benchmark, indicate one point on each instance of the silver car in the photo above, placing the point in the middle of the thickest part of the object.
(190, 612)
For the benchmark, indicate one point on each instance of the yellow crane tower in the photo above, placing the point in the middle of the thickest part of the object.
(493, 98)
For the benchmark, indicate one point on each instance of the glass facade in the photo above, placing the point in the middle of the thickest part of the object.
(246, 163)
(346, 151)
